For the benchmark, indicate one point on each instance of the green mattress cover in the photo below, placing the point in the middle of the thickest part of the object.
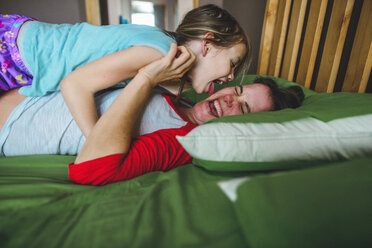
(40, 207)
(185, 207)
(320, 207)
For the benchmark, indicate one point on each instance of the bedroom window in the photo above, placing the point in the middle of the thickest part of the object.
(143, 13)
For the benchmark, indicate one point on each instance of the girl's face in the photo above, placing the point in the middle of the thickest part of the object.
(214, 65)
(235, 100)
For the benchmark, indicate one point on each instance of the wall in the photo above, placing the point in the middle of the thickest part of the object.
(184, 6)
(216, 2)
(53, 11)
(250, 15)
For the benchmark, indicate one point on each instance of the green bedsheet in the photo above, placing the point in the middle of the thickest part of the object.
(326, 205)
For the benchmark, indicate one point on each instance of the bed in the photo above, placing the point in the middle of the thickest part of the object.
(291, 178)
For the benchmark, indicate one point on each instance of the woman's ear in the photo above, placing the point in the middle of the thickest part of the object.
(206, 45)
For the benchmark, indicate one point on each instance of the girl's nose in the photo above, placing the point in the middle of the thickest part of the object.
(230, 77)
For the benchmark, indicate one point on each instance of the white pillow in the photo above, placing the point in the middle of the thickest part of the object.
(299, 140)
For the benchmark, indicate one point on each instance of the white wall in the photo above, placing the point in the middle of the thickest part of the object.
(184, 6)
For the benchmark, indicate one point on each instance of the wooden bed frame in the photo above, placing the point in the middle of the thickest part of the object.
(320, 44)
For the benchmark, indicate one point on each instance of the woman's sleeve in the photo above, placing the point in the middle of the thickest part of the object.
(157, 151)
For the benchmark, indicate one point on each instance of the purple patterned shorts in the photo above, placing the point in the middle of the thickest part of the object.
(13, 72)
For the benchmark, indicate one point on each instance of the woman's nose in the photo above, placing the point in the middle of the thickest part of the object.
(229, 99)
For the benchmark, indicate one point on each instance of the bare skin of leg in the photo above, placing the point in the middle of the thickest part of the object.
(8, 101)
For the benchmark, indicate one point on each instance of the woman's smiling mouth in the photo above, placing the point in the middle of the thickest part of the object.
(215, 108)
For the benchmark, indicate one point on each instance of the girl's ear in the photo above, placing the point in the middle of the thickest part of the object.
(206, 45)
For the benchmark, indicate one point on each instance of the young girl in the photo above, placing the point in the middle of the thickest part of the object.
(82, 59)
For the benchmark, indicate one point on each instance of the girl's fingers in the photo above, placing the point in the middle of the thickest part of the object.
(184, 61)
(183, 55)
(190, 60)
(171, 53)
(172, 50)
(175, 64)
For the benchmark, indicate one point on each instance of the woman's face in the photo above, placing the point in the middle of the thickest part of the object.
(214, 65)
(235, 100)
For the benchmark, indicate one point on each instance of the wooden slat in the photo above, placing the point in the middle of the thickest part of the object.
(336, 34)
(267, 36)
(359, 66)
(280, 33)
(294, 38)
(366, 72)
(310, 46)
(195, 4)
(93, 12)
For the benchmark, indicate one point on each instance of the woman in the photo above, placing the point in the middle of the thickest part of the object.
(44, 125)
(56, 133)
(109, 153)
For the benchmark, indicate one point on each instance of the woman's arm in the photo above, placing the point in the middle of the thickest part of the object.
(113, 132)
(157, 151)
(79, 87)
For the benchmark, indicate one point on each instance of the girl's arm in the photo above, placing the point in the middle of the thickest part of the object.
(79, 87)
(113, 132)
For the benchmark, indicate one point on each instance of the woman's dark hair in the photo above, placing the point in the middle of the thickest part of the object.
(211, 18)
(282, 98)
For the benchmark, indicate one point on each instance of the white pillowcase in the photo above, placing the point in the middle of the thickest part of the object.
(299, 140)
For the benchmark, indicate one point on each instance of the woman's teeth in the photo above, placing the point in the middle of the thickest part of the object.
(217, 107)
(213, 109)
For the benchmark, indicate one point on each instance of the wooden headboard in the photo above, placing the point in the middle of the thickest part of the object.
(323, 45)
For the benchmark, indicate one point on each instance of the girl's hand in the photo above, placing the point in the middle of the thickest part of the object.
(173, 66)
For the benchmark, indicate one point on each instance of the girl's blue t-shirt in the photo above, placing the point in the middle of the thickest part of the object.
(52, 51)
